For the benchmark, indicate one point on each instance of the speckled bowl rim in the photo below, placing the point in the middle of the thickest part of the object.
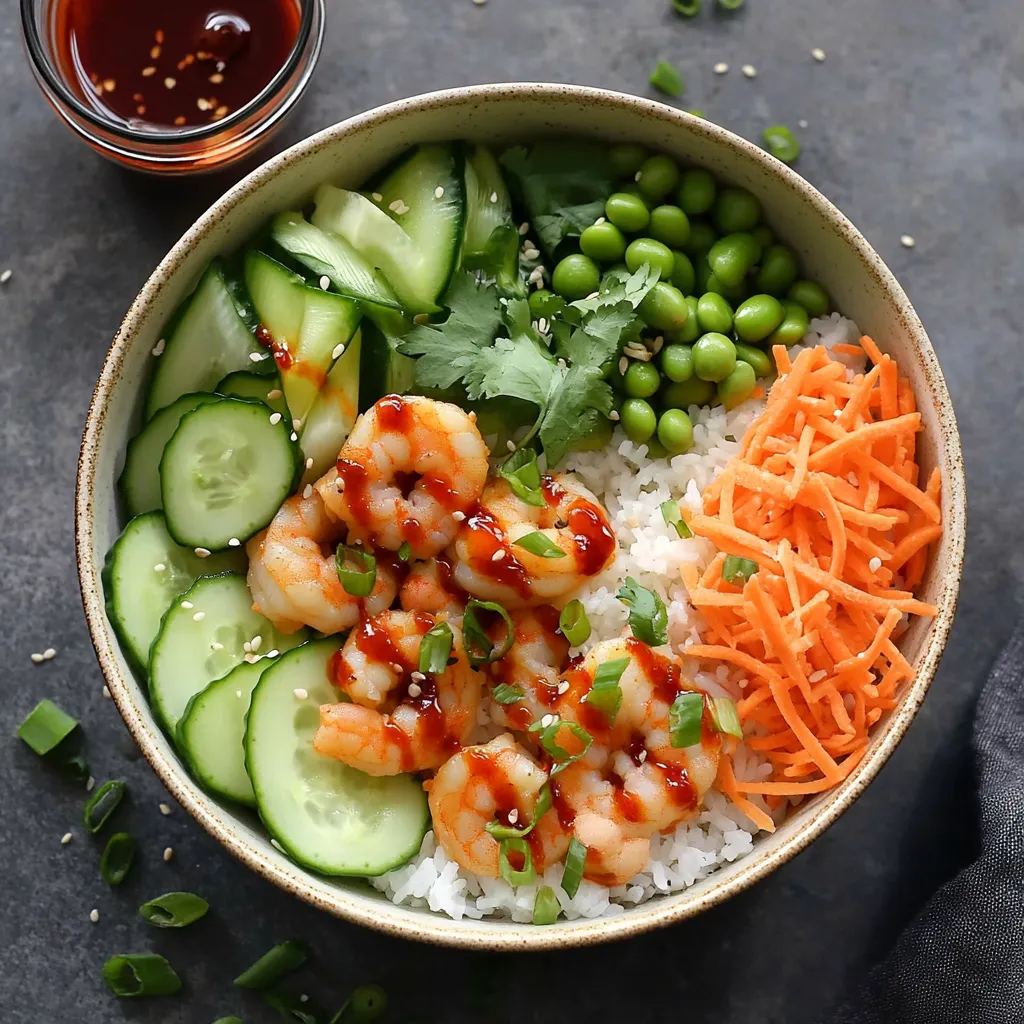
(377, 912)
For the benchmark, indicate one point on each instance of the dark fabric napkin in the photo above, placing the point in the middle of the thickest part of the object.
(962, 959)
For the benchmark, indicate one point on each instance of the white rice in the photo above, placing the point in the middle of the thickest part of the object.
(633, 488)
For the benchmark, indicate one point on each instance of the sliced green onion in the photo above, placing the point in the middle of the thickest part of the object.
(673, 517)
(688, 8)
(781, 142)
(435, 648)
(521, 471)
(228, 1020)
(118, 857)
(737, 571)
(525, 875)
(545, 906)
(46, 726)
(174, 910)
(666, 78)
(685, 718)
(74, 767)
(273, 966)
(404, 551)
(479, 648)
(540, 808)
(140, 974)
(648, 617)
(357, 581)
(572, 874)
(508, 693)
(102, 805)
(573, 623)
(365, 1004)
(539, 543)
(697, 113)
(605, 694)
(730, 5)
(726, 717)
(290, 1008)
(548, 739)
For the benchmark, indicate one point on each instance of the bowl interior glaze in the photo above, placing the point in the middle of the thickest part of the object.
(833, 252)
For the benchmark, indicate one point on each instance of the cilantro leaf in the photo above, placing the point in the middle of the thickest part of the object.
(566, 221)
(516, 368)
(579, 398)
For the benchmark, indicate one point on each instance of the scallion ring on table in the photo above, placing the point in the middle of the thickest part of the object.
(173, 910)
(365, 1004)
(140, 974)
(117, 859)
(273, 966)
(98, 809)
(666, 78)
(46, 727)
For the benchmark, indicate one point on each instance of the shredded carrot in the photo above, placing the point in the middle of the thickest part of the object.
(827, 498)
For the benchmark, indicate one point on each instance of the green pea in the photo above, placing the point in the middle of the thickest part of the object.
(677, 362)
(626, 158)
(758, 359)
(735, 295)
(669, 225)
(684, 277)
(603, 242)
(702, 237)
(779, 269)
(714, 357)
(642, 380)
(714, 313)
(794, 326)
(675, 431)
(811, 296)
(764, 236)
(655, 449)
(544, 303)
(595, 440)
(638, 420)
(736, 209)
(657, 176)
(627, 212)
(731, 257)
(690, 331)
(664, 308)
(686, 393)
(738, 386)
(758, 317)
(647, 250)
(575, 277)
(697, 191)
(630, 188)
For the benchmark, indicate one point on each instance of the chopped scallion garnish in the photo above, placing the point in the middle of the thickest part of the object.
(605, 694)
(666, 78)
(291, 1008)
(357, 570)
(725, 716)
(118, 857)
(273, 966)
(404, 551)
(572, 874)
(730, 5)
(781, 142)
(140, 974)
(228, 1020)
(46, 726)
(648, 617)
(545, 906)
(674, 518)
(688, 8)
(365, 1004)
(548, 738)
(102, 805)
(540, 544)
(435, 648)
(737, 571)
(479, 648)
(574, 624)
(508, 693)
(540, 808)
(523, 476)
(526, 875)
(685, 718)
(174, 910)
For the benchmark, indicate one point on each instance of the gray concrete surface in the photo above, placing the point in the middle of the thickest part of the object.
(916, 125)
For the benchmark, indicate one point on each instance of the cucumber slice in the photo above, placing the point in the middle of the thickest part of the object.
(211, 733)
(184, 661)
(483, 180)
(208, 337)
(333, 414)
(143, 573)
(383, 370)
(254, 387)
(328, 255)
(140, 478)
(276, 296)
(226, 471)
(324, 815)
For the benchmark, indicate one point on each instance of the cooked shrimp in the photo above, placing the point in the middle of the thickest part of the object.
(498, 781)
(409, 472)
(294, 583)
(429, 588)
(490, 564)
(414, 721)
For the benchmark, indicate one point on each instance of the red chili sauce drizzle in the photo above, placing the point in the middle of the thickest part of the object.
(595, 542)
(278, 349)
(506, 799)
(484, 539)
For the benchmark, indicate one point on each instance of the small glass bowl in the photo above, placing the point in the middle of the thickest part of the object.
(165, 150)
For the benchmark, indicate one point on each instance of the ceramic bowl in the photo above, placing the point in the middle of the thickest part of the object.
(833, 252)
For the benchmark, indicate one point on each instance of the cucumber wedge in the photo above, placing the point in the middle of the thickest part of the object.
(211, 733)
(483, 180)
(226, 471)
(254, 387)
(185, 660)
(143, 573)
(276, 296)
(384, 370)
(328, 255)
(207, 338)
(326, 816)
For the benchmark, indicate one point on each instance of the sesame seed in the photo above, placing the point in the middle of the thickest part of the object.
(154, 53)
(439, 192)
(301, 693)
(875, 564)
(836, 413)
(614, 415)
(623, 364)
(494, 197)
(275, 418)
(159, 567)
(221, 111)
(148, 71)
(337, 351)
(642, 756)
(417, 677)
(90, 784)
(339, 485)
(513, 816)
(277, 846)
(803, 123)
(180, 120)
(168, 854)
(459, 516)
(202, 552)
(377, 197)
(531, 254)
(273, 654)
(818, 54)
(542, 325)
(563, 687)
(216, 78)
(524, 227)
(510, 445)
(498, 555)
(49, 654)
(106, 692)
(659, 342)
(215, 646)
(203, 104)
(907, 241)
(158, 348)
(297, 423)
(395, 667)
(37, 658)
(816, 677)
(255, 643)
(636, 177)
(307, 491)
(159, 35)
(398, 206)
(94, 915)
(721, 68)
(750, 71)
(600, 220)
(66, 838)
(325, 282)
(234, 542)
(247, 647)
(293, 436)
(6, 276)
(547, 720)
(251, 659)
(238, 693)
(165, 809)
(594, 294)
(109, 84)
(255, 357)
(199, 616)
(169, 82)
(187, 604)
(415, 690)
